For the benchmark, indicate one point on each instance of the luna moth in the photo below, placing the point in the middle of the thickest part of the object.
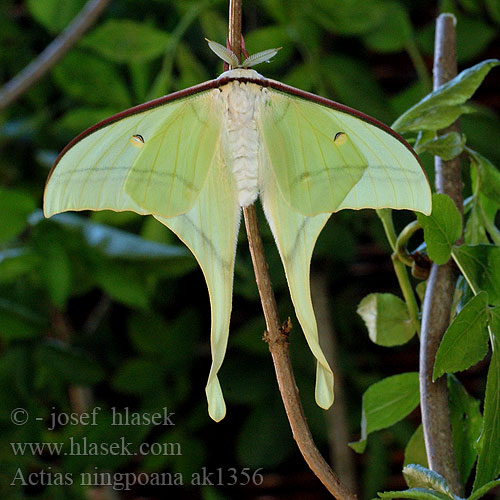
(193, 158)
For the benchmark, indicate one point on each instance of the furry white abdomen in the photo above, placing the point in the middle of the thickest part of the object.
(241, 136)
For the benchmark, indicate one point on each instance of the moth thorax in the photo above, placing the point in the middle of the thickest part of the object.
(241, 142)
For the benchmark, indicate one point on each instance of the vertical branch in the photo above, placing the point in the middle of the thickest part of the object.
(277, 336)
(235, 27)
(448, 175)
(440, 290)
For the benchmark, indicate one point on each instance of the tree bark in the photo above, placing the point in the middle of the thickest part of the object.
(440, 290)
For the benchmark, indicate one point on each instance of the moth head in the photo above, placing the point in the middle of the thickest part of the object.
(229, 57)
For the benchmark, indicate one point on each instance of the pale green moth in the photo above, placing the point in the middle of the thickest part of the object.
(192, 159)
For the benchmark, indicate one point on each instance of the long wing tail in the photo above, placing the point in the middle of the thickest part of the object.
(210, 229)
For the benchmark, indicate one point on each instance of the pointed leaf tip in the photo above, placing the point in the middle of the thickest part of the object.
(442, 107)
(260, 57)
(224, 53)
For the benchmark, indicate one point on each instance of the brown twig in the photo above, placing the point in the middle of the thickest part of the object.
(53, 53)
(440, 290)
(277, 337)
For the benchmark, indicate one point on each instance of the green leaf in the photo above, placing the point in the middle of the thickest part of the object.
(415, 493)
(447, 146)
(466, 422)
(481, 492)
(488, 462)
(489, 176)
(69, 363)
(442, 228)
(481, 210)
(15, 206)
(91, 80)
(465, 342)
(387, 319)
(415, 449)
(55, 15)
(125, 41)
(433, 119)
(443, 106)
(487, 210)
(417, 476)
(385, 403)
(480, 265)
(393, 33)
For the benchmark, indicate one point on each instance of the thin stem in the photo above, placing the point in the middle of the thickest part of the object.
(385, 215)
(440, 289)
(402, 241)
(407, 290)
(235, 27)
(52, 53)
(277, 336)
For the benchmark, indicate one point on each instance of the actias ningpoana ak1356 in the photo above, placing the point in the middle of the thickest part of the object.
(193, 158)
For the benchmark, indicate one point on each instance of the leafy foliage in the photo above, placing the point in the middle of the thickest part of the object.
(386, 403)
(442, 228)
(466, 340)
(387, 319)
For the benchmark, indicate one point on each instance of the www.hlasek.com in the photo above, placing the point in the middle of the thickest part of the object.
(126, 480)
(83, 446)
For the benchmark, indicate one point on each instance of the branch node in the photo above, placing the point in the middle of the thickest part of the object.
(286, 327)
